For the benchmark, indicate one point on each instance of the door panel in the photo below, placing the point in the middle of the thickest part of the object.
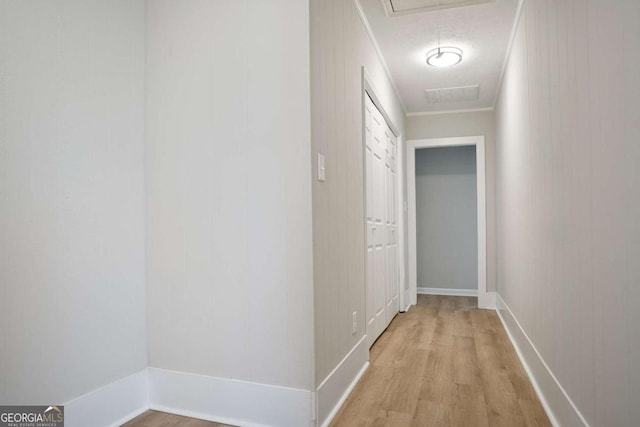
(381, 212)
(391, 301)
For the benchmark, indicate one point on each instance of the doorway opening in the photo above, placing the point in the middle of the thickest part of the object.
(458, 282)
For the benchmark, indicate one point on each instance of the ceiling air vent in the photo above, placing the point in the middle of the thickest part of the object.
(452, 94)
(404, 7)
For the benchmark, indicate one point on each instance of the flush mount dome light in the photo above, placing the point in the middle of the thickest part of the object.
(445, 56)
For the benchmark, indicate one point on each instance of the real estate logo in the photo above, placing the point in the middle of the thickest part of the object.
(31, 416)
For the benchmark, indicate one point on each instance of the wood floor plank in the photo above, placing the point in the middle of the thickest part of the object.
(392, 419)
(469, 407)
(465, 362)
(462, 326)
(500, 397)
(488, 351)
(443, 363)
(438, 384)
(443, 333)
(378, 347)
(423, 335)
(365, 399)
(403, 390)
(533, 412)
(429, 413)
(162, 419)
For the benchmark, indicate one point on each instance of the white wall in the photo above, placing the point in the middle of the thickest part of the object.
(446, 218)
(72, 213)
(568, 200)
(340, 46)
(467, 124)
(229, 199)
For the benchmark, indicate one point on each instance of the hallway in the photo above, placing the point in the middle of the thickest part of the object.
(444, 362)
(213, 209)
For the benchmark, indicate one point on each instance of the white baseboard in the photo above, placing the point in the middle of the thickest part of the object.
(448, 292)
(487, 300)
(234, 402)
(337, 386)
(111, 405)
(555, 400)
(239, 403)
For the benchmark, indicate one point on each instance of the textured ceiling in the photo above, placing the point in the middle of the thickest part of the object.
(482, 31)
(416, 6)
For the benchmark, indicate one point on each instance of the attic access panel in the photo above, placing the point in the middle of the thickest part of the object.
(404, 7)
(452, 94)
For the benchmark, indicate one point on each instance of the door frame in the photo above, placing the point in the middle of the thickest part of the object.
(485, 299)
(369, 88)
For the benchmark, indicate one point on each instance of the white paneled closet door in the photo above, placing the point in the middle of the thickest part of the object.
(391, 229)
(381, 216)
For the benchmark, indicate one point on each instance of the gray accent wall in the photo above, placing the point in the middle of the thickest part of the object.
(446, 217)
(471, 123)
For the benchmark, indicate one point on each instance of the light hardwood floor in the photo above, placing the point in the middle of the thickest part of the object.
(162, 419)
(443, 363)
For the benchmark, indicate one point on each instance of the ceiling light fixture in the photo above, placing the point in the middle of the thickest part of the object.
(443, 56)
